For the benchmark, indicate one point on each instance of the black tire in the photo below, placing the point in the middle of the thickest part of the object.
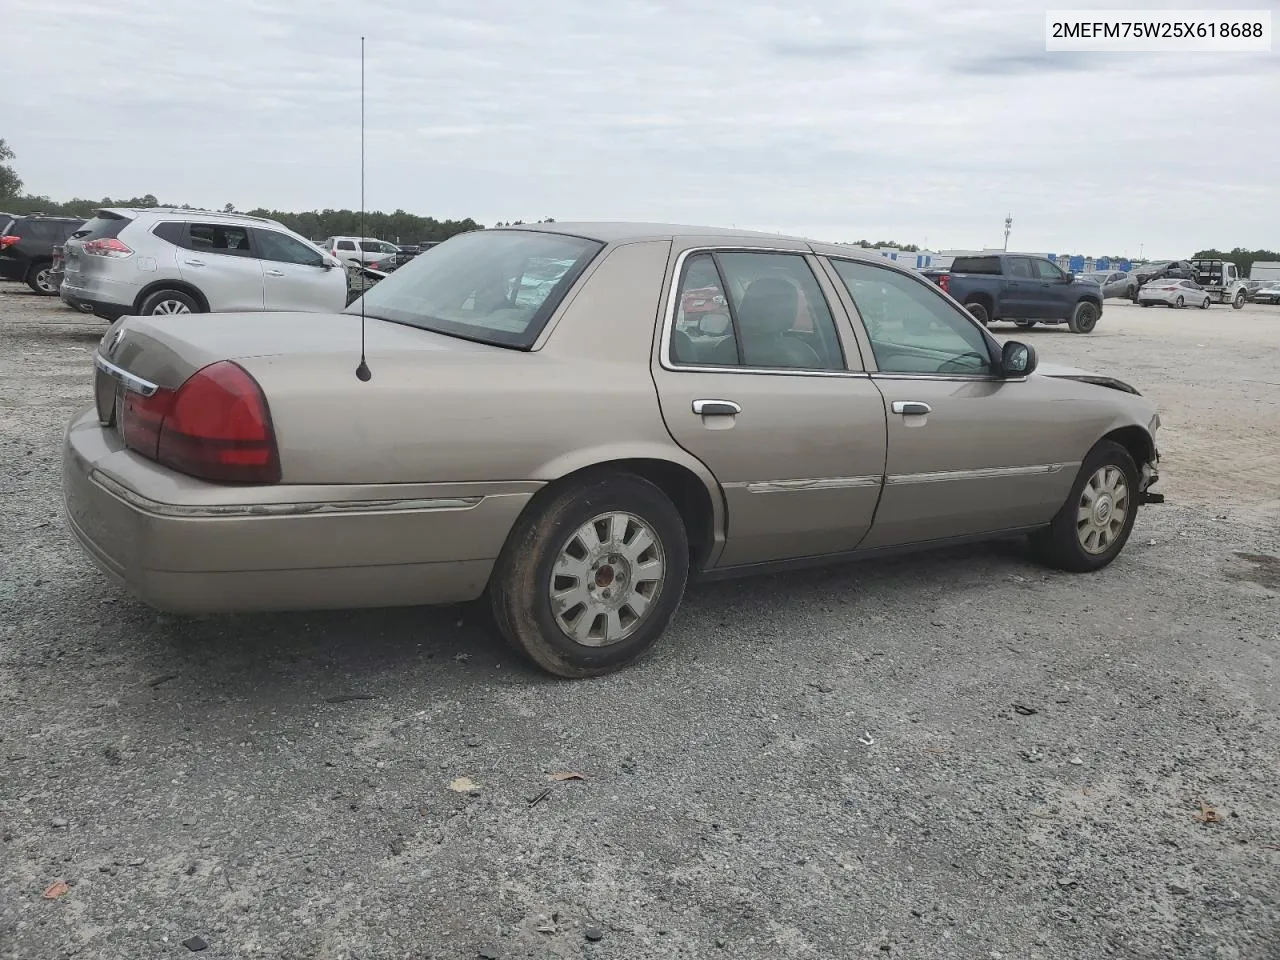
(979, 311)
(38, 278)
(1058, 545)
(1180, 302)
(520, 586)
(1204, 304)
(1238, 302)
(157, 302)
(1083, 318)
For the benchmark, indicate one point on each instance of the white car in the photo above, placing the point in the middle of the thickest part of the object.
(1174, 293)
(159, 260)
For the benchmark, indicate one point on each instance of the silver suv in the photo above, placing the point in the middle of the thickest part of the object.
(163, 260)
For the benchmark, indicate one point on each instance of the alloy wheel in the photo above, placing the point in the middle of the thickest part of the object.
(606, 578)
(1102, 510)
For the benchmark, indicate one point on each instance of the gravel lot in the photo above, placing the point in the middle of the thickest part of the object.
(815, 765)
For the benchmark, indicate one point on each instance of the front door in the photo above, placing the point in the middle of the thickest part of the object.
(762, 394)
(219, 262)
(1022, 299)
(295, 276)
(968, 452)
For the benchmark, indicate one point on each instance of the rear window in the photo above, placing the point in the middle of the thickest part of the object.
(102, 227)
(497, 287)
(976, 265)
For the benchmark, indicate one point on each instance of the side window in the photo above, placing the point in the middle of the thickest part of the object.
(346, 245)
(1020, 267)
(760, 310)
(172, 231)
(1047, 271)
(220, 238)
(273, 245)
(911, 327)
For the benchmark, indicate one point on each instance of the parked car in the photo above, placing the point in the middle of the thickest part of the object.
(576, 459)
(1174, 293)
(170, 261)
(1268, 293)
(375, 253)
(56, 265)
(1024, 289)
(26, 249)
(1114, 284)
(1163, 270)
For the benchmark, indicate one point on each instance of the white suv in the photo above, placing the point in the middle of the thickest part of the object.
(367, 250)
(164, 260)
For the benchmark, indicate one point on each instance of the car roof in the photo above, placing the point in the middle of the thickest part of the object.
(134, 213)
(617, 231)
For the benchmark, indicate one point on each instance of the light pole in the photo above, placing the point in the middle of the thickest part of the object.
(1008, 225)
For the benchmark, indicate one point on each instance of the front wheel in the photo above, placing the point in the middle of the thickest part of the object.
(1094, 524)
(1238, 302)
(1204, 304)
(1084, 318)
(589, 579)
(1180, 303)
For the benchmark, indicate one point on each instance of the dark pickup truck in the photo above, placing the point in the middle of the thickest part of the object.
(1026, 290)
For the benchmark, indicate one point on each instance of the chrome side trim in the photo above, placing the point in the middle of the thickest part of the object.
(825, 483)
(130, 381)
(320, 508)
(950, 377)
(982, 473)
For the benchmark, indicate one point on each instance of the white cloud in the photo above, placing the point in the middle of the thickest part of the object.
(912, 120)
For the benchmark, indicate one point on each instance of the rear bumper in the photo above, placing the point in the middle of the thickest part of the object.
(186, 546)
(109, 298)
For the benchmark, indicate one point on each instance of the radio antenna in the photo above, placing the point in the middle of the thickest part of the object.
(363, 372)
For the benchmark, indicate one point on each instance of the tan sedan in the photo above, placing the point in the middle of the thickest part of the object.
(577, 419)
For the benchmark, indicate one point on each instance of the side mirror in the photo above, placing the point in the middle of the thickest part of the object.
(1017, 359)
(1069, 278)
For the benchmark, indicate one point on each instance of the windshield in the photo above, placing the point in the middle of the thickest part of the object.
(495, 286)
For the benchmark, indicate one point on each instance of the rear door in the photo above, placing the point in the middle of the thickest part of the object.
(221, 264)
(777, 407)
(1021, 291)
(295, 276)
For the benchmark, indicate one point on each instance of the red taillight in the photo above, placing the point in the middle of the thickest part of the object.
(944, 282)
(216, 426)
(8, 240)
(108, 247)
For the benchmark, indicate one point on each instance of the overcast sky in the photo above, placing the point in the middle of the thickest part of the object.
(915, 120)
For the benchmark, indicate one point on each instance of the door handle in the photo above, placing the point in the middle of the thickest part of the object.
(195, 263)
(911, 408)
(275, 273)
(716, 408)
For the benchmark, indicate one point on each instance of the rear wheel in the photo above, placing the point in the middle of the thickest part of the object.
(1094, 524)
(588, 580)
(38, 279)
(979, 311)
(1084, 318)
(165, 302)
